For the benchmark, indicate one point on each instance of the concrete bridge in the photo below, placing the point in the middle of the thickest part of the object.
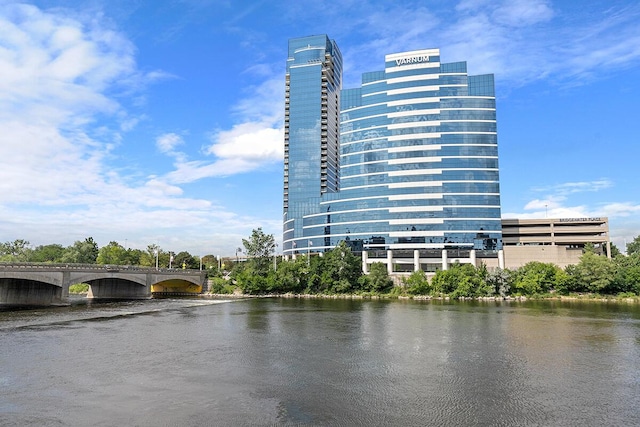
(48, 284)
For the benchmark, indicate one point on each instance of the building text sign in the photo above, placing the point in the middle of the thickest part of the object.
(412, 60)
(580, 219)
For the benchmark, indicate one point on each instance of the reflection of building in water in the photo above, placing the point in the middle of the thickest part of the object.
(418, 164)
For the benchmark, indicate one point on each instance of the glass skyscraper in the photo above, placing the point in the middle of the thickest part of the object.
(418, 162)
(311, 128)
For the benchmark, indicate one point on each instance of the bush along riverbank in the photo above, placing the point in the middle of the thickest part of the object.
(394, 296)
(338, 273)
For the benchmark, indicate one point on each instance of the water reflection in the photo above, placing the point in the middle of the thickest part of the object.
(321, 362)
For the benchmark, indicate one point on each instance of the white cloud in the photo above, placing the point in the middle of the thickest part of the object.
(516, 13)
(168, 142)
(256, 141)
(618, 210)
(253, 141)
(566, 188)
(561, 202)
(263, 102)
(62, 77)
(521, 41)
(552, 202)
(55, 72)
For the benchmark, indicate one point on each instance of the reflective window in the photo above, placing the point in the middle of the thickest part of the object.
(422, 163)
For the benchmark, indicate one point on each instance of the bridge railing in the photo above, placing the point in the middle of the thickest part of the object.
(93, 267)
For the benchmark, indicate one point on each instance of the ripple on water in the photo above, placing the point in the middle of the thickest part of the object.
(273, 362)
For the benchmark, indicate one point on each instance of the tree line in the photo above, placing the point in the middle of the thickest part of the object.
(339, 271)
(87, 252)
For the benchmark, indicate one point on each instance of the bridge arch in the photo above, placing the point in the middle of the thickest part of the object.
(193, 279)
(177, 285)
(55, 278)
(89, 277)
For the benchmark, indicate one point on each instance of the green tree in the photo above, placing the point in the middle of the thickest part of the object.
(218, 285)
(459, 280)
(132, 257)
(164, 259)
(634, 247)
(210, 263)
(290, 277)
(81, 252)
(614, 251)
(259, 248)
(536, 278)
(249, 282)
(148, 256)
(47, 253)
(627, 274)
(252, 276)
(500, 281)
(594, 273)
(418, 284)
(113, 253)
(16, 251)
(339, 269)
(186, 260)
(377, 280)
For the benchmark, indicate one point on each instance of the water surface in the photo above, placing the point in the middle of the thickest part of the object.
(321, 362)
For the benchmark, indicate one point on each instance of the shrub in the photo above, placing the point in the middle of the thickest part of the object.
(536, 277)
(218, 285)
(459, 280)
(418, 284)
(79, 288)
(594, 273)
(499, 281)
(378, 279)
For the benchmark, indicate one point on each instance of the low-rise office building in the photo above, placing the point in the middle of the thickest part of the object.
(560, 241)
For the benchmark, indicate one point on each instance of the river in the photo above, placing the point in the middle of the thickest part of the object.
(180, 362)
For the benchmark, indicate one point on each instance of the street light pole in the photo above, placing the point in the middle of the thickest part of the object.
(275, 267)
(239, 250)
(156, 253)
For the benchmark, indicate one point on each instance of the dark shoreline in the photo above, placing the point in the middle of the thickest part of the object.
(614, 299)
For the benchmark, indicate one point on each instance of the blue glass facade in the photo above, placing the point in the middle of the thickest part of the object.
(418, 166)
(312, 108)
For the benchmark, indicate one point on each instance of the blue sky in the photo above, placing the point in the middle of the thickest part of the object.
(160, 122)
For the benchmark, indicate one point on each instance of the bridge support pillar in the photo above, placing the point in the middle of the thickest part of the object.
(66, 282)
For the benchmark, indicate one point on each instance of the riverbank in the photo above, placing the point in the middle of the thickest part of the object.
(595, 298)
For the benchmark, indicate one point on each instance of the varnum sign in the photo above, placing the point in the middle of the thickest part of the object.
(412, 60)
